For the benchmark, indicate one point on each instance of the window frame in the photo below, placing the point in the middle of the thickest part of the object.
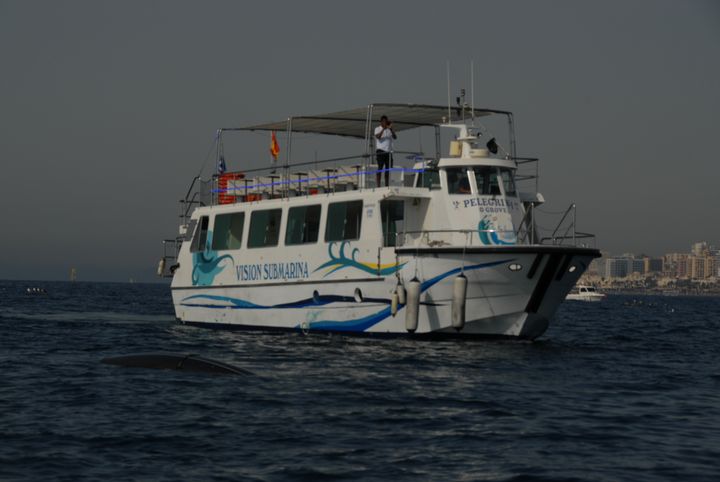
(479, 188)
(426, 177)
(328, 218)
(229, 230)
(511, 178)
(289, 217)
(385, 210)
(250, 229)
(195, 245)
(462, 171)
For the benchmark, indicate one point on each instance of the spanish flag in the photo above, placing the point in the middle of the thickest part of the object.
(274, 147)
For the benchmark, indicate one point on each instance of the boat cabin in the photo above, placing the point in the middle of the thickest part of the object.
(467, 193)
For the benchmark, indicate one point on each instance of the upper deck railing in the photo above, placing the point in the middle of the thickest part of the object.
(299, 179)
(315, 177)
(198, 194)
(342, 174)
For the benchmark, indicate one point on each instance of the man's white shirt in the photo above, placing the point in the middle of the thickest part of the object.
(386, 141)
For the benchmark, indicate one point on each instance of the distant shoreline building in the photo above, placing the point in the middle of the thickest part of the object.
(701, 263)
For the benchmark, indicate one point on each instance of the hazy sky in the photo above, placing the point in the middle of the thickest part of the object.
(108, 108)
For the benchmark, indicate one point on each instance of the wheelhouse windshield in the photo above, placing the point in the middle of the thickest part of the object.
(488, 180)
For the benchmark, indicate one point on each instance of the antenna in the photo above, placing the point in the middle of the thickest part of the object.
(472, 91)
(448, 86)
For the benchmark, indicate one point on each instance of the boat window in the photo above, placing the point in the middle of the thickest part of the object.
(457, 179)
(487, 180)
(200, 238)
(343, 221)
(391, 215)
(429, 178)
(227, 231)
(264, 228)
(508, 181)
(303, 225)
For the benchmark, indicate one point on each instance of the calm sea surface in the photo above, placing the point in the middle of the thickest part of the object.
(628, 389)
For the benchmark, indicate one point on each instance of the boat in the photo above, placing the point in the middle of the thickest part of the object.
(450, 248)
(585, 293)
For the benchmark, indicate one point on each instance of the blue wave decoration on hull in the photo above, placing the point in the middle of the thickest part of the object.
(489, 236)
(206, 264)
(358, 325)
(352, 326)
(341, 261)
(367, 322)
(237, 303)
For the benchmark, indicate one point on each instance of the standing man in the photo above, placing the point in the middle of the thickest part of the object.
(384, 136)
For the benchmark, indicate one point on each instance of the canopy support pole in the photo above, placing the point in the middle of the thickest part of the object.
(437, 143)
(511, 135)
(288, 153)
(218, 154)
(368, 145)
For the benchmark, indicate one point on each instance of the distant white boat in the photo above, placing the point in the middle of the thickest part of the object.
(585, 293)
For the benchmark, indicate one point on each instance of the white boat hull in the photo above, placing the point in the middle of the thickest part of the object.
(501, 302)
(591, 297)
(330, 249)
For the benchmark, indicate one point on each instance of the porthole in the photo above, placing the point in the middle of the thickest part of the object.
(358, 295)
(316, 297)
(572, 269)
(515, 267)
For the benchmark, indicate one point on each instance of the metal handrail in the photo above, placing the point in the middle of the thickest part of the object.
(525, 221)
(577, 235)
(570, 208)
(190, 204)
(425, 234)
(570, 232)
(521, 235)
(464, 231)
(192, 184)
(574, 238)
(189, 200)
(520, 161)
(288, 182)
(325, 161)
(171, 257)
(525, 160)
(308, 163)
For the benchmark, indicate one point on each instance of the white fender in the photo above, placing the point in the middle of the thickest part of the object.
(394, 303)
(412, 308)
(402, 299)
(458, 301)
(161, 267)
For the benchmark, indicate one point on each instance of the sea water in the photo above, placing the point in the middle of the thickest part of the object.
(625, 389)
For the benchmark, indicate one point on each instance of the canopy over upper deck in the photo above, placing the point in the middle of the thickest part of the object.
(354, 122)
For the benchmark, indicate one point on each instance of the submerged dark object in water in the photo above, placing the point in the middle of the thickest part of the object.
(175, 361)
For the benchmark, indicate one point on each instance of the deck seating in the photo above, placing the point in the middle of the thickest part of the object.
(302, 183)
